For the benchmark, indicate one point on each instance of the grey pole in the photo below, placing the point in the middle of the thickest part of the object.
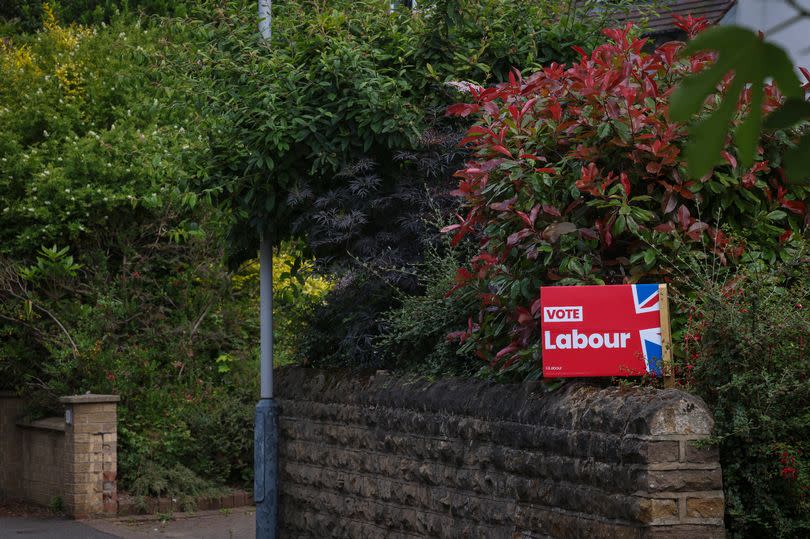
(265, 455)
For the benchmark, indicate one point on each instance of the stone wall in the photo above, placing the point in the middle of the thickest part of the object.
(378, 456)
(70, 458)
(43, 460)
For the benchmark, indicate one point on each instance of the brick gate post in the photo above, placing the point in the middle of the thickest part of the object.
(91, 436)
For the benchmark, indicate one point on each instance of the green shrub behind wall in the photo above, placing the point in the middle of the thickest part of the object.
(748, 344)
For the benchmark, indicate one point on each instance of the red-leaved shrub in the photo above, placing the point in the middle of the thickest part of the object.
(577, 178)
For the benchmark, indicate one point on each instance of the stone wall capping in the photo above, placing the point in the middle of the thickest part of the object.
(89, 398)
(48, 423)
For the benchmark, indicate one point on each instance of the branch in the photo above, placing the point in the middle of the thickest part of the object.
(52, 316)
(73, 346)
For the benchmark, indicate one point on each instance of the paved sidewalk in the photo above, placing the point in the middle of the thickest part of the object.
(48, 528)
(238, 523)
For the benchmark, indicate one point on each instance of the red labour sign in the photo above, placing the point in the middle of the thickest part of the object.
(601, 330)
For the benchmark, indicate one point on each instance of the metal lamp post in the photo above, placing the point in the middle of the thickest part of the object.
(265, 453)
(265, 456)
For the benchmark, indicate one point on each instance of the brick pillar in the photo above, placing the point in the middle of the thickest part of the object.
(11, 407)
(91, 435)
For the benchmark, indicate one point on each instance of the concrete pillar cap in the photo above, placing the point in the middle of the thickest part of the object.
(89, 398)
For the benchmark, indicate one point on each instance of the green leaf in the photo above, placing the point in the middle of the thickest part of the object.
(776, 215)
(791, 112)
(797, 160)
(753, 62)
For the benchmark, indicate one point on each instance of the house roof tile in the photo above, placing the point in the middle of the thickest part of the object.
(663, 21)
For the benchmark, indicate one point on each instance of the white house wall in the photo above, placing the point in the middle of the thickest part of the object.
(770, 16)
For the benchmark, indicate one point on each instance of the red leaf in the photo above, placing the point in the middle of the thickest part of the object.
(625, 183)
(556, 111)
(580, 50)
(529, 104)
(785, 236)
(720, 239)
(533, 157)
(806, 74)
(500, 149)
(573, 205)
(479, 130)
(667, 227)
(458, 237)
(462, 109)
(795, 206)
(729, 159)
(536, 306)
(515, 114)
(470, 140)
(546, 170)
(669, 202)
(449, 228)
(462, 275)
(524, 316)
(459, 336)
(526, 219)
(551, 210)
(749, 180)
(588, 233)
(696, 230)
(684, 217)
(533, 214)
(505, 205)
(516, 237)
(553, 231)
(511, 348)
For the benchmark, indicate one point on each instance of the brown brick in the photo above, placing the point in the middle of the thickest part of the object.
(705, 507)
(663, 451)
(682, 480)
(693, 453)
(656, 510)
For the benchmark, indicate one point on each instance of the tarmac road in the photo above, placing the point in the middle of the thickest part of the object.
(48, 528)
(236, 523)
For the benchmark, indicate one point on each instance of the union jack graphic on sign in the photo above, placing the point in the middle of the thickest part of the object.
(602, 330)
(646, 300)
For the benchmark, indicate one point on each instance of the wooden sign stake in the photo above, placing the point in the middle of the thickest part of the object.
(666, 337)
